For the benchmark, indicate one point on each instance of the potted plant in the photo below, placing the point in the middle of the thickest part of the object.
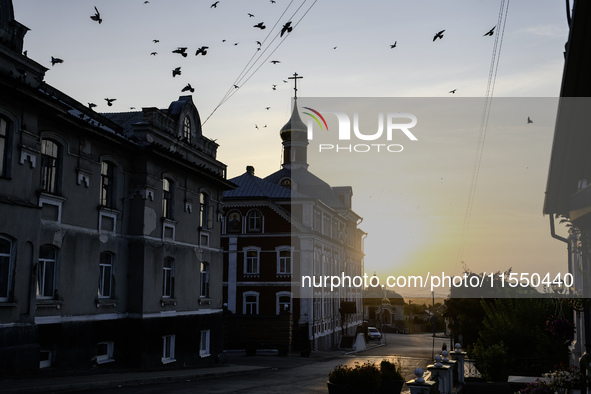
(562, 381)
(392, 378)
(366, 378)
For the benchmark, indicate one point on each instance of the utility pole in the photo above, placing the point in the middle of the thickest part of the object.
(410, 316)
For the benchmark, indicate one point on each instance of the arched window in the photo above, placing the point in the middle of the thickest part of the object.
(250, 303)
(283, 299)
(187, 129)
(234, 222)
(204, 282)
(5, 268)
(107, 184)
(284, 260)
(47, 270)
(251, 260)
(105, 285)
(167, 198)
(255, 221)
(50, 166)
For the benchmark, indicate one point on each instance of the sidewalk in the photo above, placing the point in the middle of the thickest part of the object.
(44, 383)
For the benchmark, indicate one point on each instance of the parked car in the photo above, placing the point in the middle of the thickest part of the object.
(374, 333)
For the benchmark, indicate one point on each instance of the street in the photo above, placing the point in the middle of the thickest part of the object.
(303, 375)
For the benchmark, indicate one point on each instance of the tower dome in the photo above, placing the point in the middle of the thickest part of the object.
(294, 129)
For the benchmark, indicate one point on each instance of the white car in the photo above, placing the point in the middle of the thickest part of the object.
(374, 333)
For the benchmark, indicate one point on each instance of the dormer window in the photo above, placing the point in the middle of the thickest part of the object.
(187, 129)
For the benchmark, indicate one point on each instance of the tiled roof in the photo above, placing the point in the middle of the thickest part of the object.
(251, 186)
(309, 185)
(125, 119)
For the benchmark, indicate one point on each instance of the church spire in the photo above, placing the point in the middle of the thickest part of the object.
(295, 136)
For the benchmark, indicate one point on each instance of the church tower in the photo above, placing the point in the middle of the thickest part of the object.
(295, 137)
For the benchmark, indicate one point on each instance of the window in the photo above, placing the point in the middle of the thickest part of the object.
(5, 268)
(187, 129)
(105, 275)
(47, 272)
(255, 221)
(107, 184)
(284, 261)
(283, 301)
(4, 147)
(205, 211)
(168, 278)
(204, 344)
(234, 222)
(167, 198)
(50, 153)
(250, 301)
(204, 280)
(104, 352)
(251, 261)
(168, 349)
(45, 357)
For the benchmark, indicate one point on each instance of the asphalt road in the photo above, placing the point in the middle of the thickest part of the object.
(302, 375)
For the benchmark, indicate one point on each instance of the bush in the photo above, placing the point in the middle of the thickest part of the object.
(367, 375)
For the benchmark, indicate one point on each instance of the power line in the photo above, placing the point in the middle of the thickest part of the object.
(492, 76)
(245, 75)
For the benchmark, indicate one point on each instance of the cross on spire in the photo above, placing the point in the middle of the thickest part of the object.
(295, 84)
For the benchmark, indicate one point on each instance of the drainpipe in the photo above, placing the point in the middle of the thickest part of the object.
(583, 361)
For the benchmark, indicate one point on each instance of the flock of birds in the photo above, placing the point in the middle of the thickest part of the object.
(287, 28)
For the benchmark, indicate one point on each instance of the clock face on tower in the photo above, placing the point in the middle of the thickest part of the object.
(286, 182)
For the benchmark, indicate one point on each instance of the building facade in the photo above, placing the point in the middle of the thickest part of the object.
(568, 190)
(286, 226)
(110, 228)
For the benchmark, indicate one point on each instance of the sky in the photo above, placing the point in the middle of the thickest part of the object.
(414, 203)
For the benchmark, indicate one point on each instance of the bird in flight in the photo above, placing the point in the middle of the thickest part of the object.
(214, 5)
(110, 101)
(91, 105)
(261, 25)
(256, 127)
(181, 51)
(251, 15)
(267, 108)
(176, 71)
(156, 41)
(274, 87)
(286, 28)
(188, 88)
(272, 1)
(453, 91)
(146, 2)
(529, 120)
(275, 61)
(153, 53)
(438, 35)
(202, 51)
(393, 45)
(96, 16)
(235, 86)
(235, 43)
(490, 32)
(55, 60)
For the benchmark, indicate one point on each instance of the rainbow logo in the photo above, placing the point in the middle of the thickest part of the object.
(315, 118)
